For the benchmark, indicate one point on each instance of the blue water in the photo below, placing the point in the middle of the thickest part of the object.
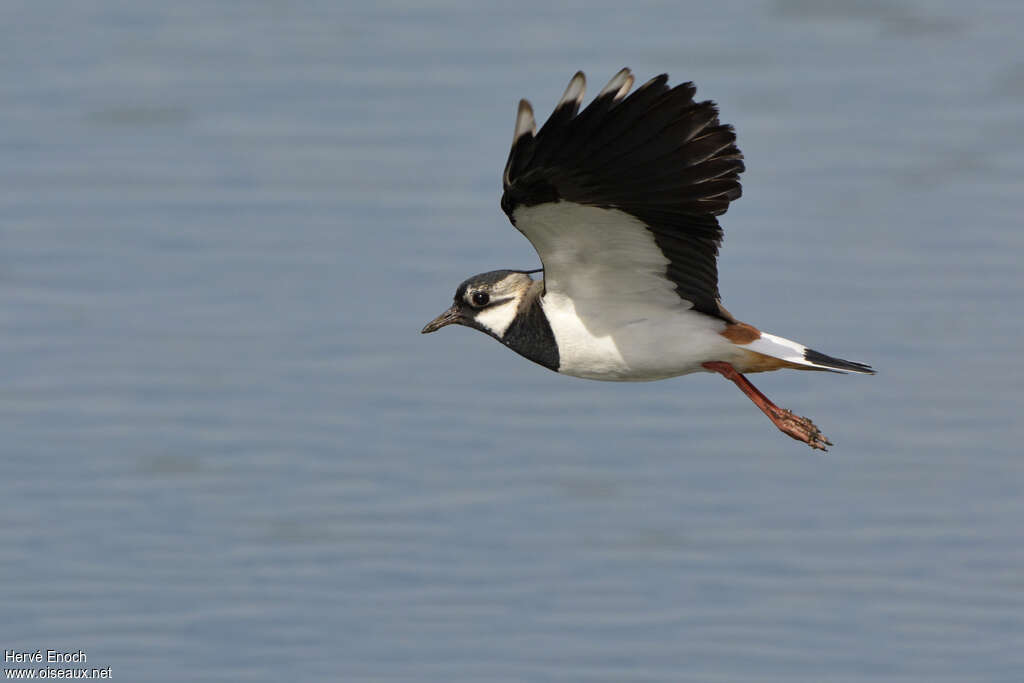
(226, 452)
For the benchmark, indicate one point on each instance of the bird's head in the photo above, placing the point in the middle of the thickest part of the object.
(488, 302)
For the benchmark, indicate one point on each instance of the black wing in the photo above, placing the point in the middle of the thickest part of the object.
(656, 155)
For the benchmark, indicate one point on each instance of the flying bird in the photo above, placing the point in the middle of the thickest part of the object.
(621, 200)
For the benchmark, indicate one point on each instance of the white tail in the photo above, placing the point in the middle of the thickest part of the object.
(798, 354)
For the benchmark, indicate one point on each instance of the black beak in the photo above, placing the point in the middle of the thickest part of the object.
(449, 317)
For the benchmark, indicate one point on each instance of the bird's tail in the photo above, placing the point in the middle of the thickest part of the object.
(800, 357)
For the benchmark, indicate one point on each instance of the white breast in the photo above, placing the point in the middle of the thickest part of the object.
(635, 343)
(591, 252)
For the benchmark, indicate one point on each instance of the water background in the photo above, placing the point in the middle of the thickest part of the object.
(226, 452)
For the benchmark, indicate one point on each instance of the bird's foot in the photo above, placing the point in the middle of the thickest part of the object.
(799, 428)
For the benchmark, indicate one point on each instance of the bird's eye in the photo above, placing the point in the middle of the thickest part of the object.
(480, 298)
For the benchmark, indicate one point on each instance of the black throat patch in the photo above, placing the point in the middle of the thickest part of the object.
(530, 334)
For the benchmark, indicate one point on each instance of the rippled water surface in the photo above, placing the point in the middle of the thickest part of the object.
(227, 453)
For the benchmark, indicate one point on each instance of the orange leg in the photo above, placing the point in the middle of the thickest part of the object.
(800, 428)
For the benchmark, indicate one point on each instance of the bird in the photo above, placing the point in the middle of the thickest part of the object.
(621, 202)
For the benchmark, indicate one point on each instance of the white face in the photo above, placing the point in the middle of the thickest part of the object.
(495, 305)
(497, 317)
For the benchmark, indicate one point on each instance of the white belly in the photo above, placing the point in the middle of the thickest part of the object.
(630, 342)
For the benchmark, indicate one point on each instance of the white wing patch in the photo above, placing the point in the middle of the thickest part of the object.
(595, 254)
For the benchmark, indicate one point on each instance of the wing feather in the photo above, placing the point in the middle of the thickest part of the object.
(657, 157)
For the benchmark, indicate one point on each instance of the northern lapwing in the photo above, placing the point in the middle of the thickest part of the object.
(620, 201)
